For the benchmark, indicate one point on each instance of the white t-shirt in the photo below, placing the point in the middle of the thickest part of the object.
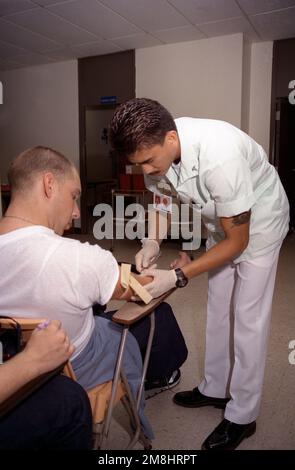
(224, 172)
(48, 276)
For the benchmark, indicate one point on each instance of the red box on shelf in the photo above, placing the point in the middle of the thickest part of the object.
(138, 182)
(125, 182)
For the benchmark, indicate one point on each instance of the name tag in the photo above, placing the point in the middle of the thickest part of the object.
(162, 202)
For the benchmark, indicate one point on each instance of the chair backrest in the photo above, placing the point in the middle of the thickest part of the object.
(98, 396)
(28, 325)
(23, 328)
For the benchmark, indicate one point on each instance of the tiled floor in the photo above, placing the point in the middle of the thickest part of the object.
(180, 428)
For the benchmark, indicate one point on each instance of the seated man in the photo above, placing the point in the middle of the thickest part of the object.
(56, 277)
(60, 400)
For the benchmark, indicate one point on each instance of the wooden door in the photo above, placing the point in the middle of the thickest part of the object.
(285, 150)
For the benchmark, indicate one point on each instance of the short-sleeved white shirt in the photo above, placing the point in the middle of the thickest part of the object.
(224, 172)
(45, 275)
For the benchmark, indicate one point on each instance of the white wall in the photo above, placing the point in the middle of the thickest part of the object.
(260, 92)
(40, 108)
(199, 78)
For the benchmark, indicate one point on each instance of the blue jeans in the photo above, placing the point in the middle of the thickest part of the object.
(56, 416)
(168, 351)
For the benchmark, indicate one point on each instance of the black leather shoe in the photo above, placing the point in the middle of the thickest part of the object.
(194, 399)
(228, 435)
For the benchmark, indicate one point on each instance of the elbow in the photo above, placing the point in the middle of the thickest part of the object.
(243, 244)
(238, 246)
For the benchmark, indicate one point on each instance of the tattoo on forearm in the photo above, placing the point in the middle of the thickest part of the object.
(241, 219)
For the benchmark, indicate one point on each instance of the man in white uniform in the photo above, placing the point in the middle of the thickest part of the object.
(226, 175)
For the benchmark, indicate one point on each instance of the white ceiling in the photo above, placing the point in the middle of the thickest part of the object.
(41, 31)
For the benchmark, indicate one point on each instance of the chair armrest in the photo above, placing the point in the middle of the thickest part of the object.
(131, 312)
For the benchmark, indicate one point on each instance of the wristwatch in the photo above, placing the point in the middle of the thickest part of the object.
(182, 280)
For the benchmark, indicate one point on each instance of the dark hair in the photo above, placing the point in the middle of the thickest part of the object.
(139, 123)
(36, 160)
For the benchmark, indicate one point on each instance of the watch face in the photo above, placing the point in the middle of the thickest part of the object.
(182, 280)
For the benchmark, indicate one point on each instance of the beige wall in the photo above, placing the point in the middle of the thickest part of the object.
(40, 108)
(260, 92)
(221, 78)
(246, 85)
(199, 78)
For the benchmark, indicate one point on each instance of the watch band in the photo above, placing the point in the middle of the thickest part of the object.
(182, 280)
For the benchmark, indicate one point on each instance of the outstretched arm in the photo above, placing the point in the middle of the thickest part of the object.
(236, 231)
(120, 293)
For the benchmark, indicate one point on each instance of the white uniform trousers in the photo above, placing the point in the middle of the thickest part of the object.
(238, 320)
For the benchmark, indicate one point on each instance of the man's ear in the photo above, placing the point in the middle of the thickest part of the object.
(49, 183)
(172, 136)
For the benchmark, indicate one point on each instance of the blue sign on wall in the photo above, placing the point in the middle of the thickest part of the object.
(108, 99)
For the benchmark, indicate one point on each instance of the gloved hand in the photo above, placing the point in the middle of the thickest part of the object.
(163, 281)
(149, 252)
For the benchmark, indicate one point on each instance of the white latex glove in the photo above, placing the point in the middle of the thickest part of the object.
(164, 280)
(149, 252)
(135, 298)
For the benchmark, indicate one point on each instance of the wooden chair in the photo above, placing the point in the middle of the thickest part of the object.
(103, 397)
